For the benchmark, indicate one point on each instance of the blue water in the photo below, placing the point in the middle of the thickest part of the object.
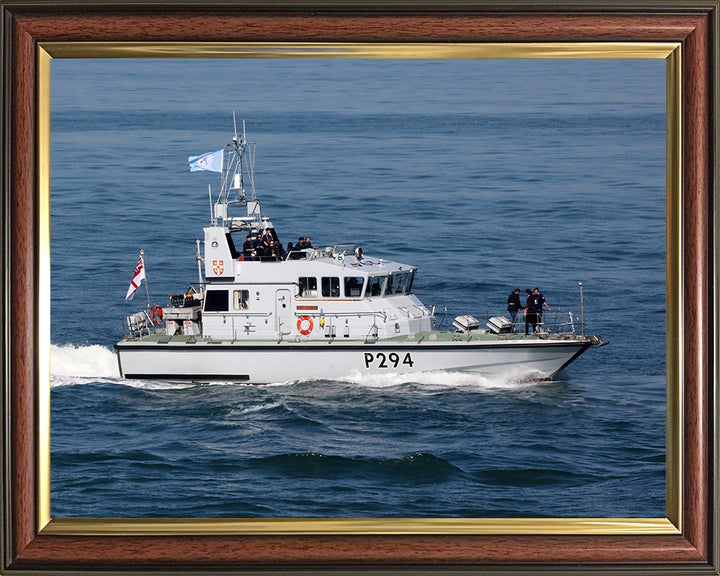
(488, 175)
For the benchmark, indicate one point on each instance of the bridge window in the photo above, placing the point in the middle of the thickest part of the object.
(375, 286)
(308, 287)
(394, 284)
(216, 301)
(241, 299)
(354, 286)
(330, 287)
(407, 289)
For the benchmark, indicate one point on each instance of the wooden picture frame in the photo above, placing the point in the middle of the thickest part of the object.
(685, 542)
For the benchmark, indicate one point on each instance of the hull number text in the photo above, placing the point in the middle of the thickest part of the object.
(392, 360)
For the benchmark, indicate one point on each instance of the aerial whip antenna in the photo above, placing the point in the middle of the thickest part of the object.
(235, 127)
(147, 288)
(582, 311)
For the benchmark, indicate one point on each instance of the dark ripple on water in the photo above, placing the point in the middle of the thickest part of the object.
(418, 468)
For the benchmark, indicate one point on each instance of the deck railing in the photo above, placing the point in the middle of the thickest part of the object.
(554, 322)
(138, 324)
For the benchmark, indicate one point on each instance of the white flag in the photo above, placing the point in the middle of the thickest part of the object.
(137, 278)
(210, 161)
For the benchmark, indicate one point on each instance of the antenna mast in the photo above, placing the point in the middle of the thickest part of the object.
(582, 311)
(147, 288)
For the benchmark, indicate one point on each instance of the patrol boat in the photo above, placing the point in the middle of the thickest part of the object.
(265, 314)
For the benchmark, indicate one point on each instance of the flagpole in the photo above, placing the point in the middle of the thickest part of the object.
(147, 290)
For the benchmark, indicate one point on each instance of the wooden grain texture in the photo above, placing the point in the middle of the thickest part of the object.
(697, 284)
(692, 551)
(397, 551)
(321, 27)
(22, 293)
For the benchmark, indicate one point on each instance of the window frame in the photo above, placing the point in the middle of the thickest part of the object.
(362, 286)
(329, 284)
(304, 288)
(211, 300)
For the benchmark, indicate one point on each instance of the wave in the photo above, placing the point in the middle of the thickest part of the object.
(534, 477)
(418, 467)
(72, 365)
(92, 361)
(255, 408)
(445, 379)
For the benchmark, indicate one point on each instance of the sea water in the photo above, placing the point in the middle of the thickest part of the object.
(489, 175)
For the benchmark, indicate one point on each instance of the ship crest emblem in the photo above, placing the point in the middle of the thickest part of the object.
(218, 267)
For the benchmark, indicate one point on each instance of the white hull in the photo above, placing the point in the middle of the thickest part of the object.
(259, 363)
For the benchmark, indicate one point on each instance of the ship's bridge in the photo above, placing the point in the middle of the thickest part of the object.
(357, 276)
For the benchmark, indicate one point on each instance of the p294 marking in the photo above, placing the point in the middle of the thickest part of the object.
(391, 360)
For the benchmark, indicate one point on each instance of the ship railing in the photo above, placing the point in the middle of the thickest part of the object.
(341, 250)
(422, 311)
(555, 322)
(377, 314)
(304, 254)
(372, 335)
(138, 325)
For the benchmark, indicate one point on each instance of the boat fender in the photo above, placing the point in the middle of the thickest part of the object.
(304, 325)
(157, 314)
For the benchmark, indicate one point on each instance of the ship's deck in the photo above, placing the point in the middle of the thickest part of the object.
(477, 336)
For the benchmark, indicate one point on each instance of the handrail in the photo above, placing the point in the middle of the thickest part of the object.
(318, 313)
(561, 323)
(138, 324)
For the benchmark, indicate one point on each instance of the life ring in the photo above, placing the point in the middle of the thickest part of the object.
(304, 331)
(157, 314)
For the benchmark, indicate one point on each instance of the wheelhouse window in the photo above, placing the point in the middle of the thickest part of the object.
(241, 299)
(330, 287)
(375, 286)
(216, 301)
(394, 284)
(354, 286)
(407, 289)
(308, 287)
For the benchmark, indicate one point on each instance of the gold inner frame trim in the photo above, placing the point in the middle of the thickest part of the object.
(351, 526)
(354, 50)
(512, 526)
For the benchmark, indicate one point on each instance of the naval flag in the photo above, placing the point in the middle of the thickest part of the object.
(137, 279)
(210, 161)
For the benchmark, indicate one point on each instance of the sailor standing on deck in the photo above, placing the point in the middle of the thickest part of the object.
(534, 309)
(529, 316)
(514, 305)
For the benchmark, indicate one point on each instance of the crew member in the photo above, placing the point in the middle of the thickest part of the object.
(513, 305)
(249, 248)
(534, 309)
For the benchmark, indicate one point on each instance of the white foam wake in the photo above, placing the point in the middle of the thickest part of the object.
(93, 361)
(71, 365)
(442, 379)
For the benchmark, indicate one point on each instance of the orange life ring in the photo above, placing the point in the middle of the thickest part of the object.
(308, 329)
(157, 314)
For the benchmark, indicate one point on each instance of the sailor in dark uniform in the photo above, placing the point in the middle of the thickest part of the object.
(259, 248)
(249, 248)
(534, 309)
(513, 305)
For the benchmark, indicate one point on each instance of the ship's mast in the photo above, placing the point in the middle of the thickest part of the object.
(238, 160)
